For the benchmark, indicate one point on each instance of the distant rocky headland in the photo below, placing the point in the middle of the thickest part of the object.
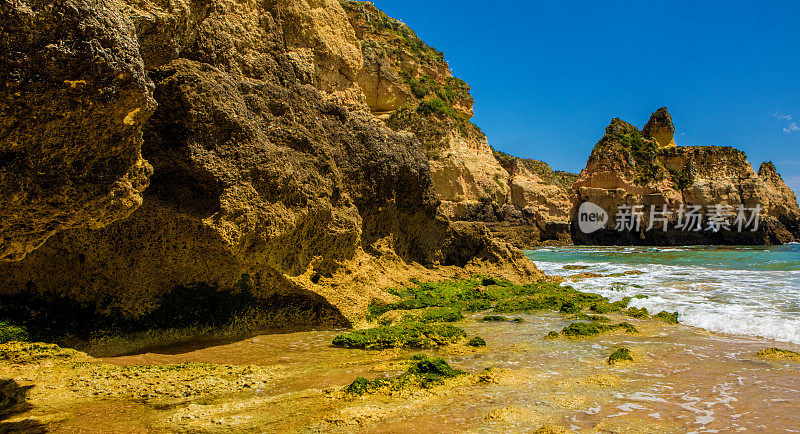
(685, 194)
(191, 166)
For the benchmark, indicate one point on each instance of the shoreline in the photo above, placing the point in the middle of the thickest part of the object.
(533, 382)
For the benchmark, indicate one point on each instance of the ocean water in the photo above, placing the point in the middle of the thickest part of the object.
(738, 290)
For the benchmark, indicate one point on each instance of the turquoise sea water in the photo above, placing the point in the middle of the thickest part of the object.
(740, 290)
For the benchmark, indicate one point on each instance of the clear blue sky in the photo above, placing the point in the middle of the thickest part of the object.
(547, 77)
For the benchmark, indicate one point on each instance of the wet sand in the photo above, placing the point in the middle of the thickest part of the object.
(683, 379)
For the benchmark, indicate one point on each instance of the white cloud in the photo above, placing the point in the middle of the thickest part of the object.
(781, 116)
(791, 128)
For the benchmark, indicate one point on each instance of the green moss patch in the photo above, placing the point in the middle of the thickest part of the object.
(588, 329)
(548, 297)
(667, 317)
(439, 314)
(477, 341)
(777, 353)
(622, 355)
(10, 332)
(635, 312)
(603, 306)
(587, 317)
(406, 335)
(425, 372)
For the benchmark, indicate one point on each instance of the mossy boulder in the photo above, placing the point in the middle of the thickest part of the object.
(635, 312)
(587, 329)
(667, 317)
(477, 341)
(570, 307)
(622, 355)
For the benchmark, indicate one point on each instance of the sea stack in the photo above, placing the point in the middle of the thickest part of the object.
(643, 171)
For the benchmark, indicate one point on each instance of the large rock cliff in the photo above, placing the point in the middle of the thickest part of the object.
(73, 102)
(276, 196)
(409, 84)
(632, 168)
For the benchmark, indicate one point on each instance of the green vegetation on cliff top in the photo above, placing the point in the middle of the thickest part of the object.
(375, 27)
(641, 153)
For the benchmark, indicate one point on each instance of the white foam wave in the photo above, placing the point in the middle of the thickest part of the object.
(745, 302)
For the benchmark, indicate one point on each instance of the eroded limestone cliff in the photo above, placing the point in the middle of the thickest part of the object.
(409, 84)
(628, 168)
(277, 197)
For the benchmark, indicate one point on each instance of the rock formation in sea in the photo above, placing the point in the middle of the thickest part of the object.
(170, 163)
(632, 168)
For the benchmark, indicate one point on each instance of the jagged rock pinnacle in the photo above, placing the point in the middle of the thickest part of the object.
(660, 127)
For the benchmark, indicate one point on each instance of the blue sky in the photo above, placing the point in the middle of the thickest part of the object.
(547, 77)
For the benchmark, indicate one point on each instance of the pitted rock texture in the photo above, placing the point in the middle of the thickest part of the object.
(276, 198)
(626, 168)
(73, 102)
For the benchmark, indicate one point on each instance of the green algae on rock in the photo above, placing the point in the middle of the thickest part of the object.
(635, 312)
(604, 306)
(585, 329)
(484, 292)
(620, 356)
(406, 335)
(425, 372)
(779, 354)
(477, 341)
(10, 332)
(439, 314)
(587, 317)
(667, 317)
